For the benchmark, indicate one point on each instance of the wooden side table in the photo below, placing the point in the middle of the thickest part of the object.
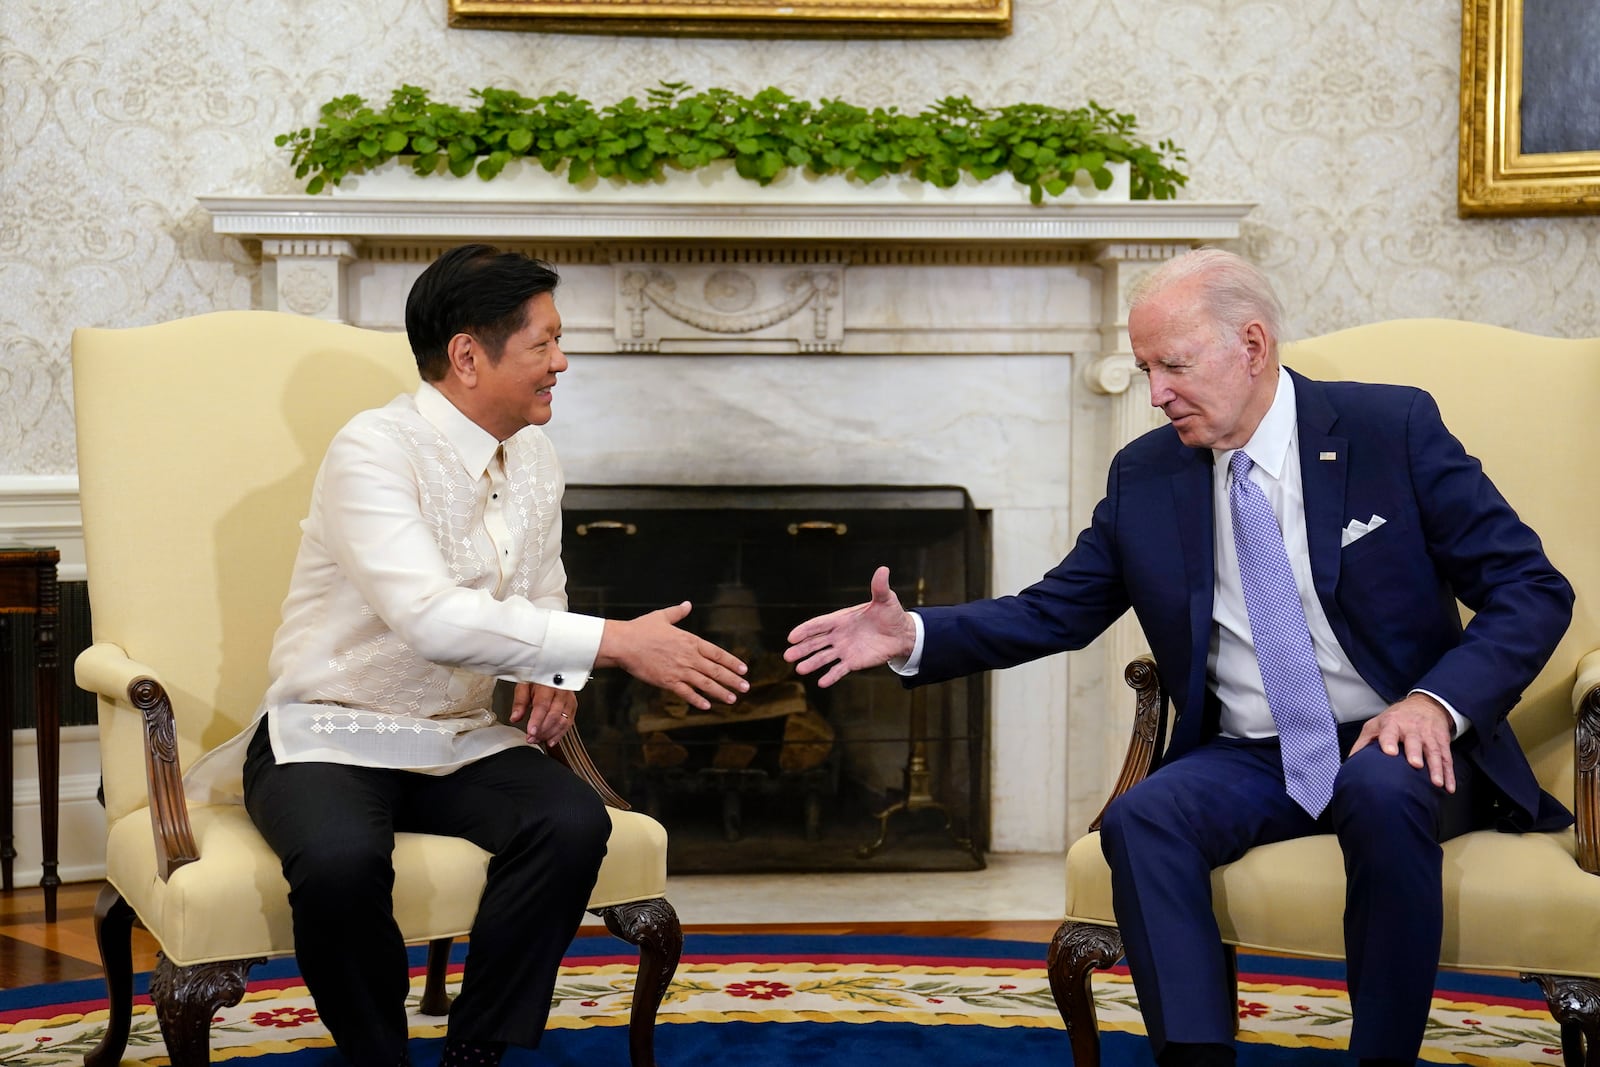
(28, 587)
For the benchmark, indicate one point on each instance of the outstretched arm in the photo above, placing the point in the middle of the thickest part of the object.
(867, 635)
(655, 651)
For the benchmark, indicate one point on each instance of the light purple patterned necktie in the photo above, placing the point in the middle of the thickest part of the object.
(1308, 739)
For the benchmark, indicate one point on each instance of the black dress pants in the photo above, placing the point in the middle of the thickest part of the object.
(333, 827)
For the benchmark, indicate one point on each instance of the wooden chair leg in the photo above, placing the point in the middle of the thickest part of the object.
(1575, 1006)
(1076, 952)
(187, 997)
(435, 1001)
(653, 926)
(113, 929)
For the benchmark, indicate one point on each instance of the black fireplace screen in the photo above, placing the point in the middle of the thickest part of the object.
(863, 775)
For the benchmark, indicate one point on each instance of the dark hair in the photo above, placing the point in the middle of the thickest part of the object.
(476, 289)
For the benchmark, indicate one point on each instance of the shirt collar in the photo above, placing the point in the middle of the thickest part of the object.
(1268, 447)
(473, 444)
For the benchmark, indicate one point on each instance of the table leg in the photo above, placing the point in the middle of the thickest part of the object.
(48, 730)
(8, 846)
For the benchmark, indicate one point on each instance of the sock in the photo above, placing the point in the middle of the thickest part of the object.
(1195, 1054)
(471, 1053)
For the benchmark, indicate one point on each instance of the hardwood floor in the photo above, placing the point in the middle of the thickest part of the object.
(32, 952)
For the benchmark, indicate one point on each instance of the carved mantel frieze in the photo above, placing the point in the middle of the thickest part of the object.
(712, 307)
(309, 279)
(784, 271)
(314, 244)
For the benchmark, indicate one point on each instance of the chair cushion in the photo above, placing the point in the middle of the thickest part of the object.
(1512, 902)
(233, 903)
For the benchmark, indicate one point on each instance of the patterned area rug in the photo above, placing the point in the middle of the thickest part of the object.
(777, 1000)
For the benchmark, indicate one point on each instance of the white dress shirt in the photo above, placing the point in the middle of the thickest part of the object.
(1231, 666)
(1232, 670)
(429, 565)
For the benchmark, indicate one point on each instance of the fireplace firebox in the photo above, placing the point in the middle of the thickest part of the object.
(860, 776)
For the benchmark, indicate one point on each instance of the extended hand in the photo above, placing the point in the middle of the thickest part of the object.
(655, 651)
(1424, 728)
(867, 635)
(549, 711)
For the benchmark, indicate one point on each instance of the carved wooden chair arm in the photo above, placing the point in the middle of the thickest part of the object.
(1148, 700)
(1586, 753)
(106, 670)
(571, 753)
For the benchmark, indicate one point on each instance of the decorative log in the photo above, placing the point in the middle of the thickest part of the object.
(807, 741)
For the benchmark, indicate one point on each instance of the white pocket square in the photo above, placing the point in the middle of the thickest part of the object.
(1358, 529)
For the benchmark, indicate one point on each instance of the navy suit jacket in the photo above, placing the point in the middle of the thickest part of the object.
(1390, 596)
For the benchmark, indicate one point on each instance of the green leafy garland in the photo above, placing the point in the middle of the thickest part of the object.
(1042, 147)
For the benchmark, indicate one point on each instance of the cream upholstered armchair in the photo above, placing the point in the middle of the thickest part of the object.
(1530, 903)
(197, 444)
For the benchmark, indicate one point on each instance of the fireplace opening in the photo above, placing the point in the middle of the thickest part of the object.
(864, 775)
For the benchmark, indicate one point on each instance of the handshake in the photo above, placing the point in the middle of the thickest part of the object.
(654, 650)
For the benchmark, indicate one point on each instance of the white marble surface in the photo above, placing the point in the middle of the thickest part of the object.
(1013, 886)
(997, 426)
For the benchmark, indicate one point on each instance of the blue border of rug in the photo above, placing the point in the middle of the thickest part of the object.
(1025, 953)
(804, 1043)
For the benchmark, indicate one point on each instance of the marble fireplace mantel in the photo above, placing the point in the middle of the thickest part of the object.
(318, 250)
(362, 217)
(934, 344)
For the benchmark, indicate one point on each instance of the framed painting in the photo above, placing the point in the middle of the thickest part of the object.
(742, 18)
(1530, 107)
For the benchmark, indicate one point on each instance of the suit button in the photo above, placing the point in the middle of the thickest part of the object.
(558, 679)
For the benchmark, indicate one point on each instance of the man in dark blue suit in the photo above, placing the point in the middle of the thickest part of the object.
(1295, 552)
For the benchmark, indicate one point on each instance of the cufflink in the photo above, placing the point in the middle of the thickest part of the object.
(558, 679)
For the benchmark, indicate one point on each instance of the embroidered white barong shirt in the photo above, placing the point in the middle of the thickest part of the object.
(429, 566)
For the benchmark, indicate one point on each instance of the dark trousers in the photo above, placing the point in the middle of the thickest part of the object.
(333, 827)
(1164, 836)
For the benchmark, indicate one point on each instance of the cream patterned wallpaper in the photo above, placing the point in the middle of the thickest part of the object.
(1337, 116)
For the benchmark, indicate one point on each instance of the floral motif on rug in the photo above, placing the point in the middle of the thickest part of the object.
(278, 1016)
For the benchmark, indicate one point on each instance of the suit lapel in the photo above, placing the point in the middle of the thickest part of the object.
(1324, 467)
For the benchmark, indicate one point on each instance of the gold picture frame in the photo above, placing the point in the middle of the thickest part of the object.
(742, 18)
(1496, 176)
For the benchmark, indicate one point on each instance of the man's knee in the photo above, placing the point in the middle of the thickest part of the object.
(587, 823)
(1375, 791)
(329, 868)
(1130, 816)
(1373, 774)
(575, 822)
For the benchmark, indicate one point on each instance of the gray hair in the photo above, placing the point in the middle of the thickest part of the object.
(1234, 289)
